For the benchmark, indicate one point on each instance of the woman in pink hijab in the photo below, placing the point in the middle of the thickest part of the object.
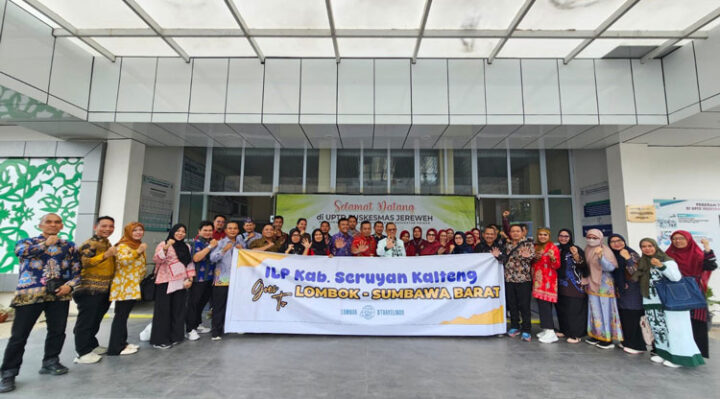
(603, 316)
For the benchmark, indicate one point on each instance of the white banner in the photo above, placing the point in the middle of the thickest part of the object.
(429, 295)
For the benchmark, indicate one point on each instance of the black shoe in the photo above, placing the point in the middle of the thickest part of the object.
(7, 384)
(605, 345)
(53, 369)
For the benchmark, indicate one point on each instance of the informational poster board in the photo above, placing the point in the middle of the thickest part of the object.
(595, 201)
(405, 211)
(699, 217)
(156, 195)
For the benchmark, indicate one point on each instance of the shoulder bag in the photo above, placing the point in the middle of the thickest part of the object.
(680, 295)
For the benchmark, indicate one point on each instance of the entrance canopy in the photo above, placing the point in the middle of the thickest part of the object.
(372, 74)
(489, 29)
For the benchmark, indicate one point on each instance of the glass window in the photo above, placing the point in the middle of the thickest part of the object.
(525, 172)
(402, 167)
(429, 172)
(190, 213)
(375, 173)
(492, 171)
(258, 169)
(462, 172)
(347, 171)
(193, 172)
(561, 214)
(558, 171)
(527, 211)
(291, 170)
(225, 173)
(312, 172)
(236, 207)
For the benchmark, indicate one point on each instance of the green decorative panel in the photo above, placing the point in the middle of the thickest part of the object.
(15, 106)
(30, 188)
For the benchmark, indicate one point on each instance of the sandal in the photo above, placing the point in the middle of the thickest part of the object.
(573, 340)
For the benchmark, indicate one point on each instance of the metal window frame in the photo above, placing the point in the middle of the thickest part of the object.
(206, 193)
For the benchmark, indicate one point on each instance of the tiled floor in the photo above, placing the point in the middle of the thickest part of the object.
(281, 366)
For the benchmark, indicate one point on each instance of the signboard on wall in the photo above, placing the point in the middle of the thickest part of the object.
(700, 217)
(640, 213)
(155, 197)
(405, 211)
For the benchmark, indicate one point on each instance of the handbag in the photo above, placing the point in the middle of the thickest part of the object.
(147, 288)
(647, 333)
(680, 295)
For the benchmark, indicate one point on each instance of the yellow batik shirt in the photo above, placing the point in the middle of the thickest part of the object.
(130, 269)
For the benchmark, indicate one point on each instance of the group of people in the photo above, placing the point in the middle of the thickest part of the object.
(604, 291)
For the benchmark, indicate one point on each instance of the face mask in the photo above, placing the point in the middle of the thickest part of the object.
(593, 242)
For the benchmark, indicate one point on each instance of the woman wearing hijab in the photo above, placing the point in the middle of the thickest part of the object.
(444, 242)
(604, 320)
(629, 299)
(477, 234)
(174, 271)
(405, 237)
(125, 287)
(297, 244)
(470, 239)
(674, 343)
(431, 245)
(460, 245)
(699, 264)
(572, 307)
(412, 248)
(545, 279)
(319, 247)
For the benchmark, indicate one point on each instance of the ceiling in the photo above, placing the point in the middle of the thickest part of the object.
(378, 28)
(702, 129)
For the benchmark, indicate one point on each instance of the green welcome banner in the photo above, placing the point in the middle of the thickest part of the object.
(405, 211)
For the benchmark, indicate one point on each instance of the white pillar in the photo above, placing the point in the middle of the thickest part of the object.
(122, 179)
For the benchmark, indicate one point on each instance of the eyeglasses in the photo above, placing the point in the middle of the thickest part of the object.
(563, 236)
(431, 234)
(391, 229)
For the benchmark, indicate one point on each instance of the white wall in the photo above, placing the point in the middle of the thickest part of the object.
(639, 174)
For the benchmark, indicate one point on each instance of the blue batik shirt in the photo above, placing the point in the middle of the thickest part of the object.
(204, 269)
(40, 263)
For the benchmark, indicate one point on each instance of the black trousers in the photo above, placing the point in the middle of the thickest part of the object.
(168, 325)
(572, 316)
(545, 309)
(219, 304)
(700, 333)
(56, 314)
(632, 332)
(118, 331)
(200, 293)
(91, 310)
(517, 299)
